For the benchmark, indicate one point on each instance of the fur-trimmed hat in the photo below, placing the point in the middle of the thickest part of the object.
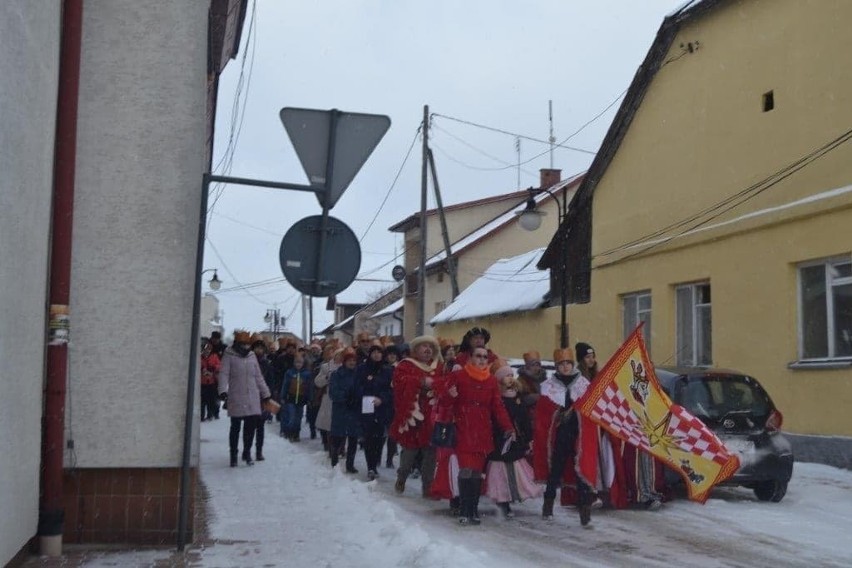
(242, 336)
(560, 355)
(532, 355)
(257, 339)
(583, 349)
(425, 339)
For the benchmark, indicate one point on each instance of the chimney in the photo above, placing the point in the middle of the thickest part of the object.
(549, 177)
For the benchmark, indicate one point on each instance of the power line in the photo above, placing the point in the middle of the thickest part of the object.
(731, 202)
(393, 184)
(231, 274)
(447, 155)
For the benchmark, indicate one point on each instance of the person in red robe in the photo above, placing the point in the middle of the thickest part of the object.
(475, 397)
(414, 400)
(566, 443)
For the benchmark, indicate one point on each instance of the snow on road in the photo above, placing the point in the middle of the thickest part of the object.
(294, 510)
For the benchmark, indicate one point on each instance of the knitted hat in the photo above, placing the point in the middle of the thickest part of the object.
(560, 355)
(503, 372)
(583, 349)
(532, 355)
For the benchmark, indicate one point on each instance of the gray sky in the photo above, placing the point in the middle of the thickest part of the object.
(495, 63)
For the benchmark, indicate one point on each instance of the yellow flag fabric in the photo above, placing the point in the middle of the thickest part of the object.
(626, 399)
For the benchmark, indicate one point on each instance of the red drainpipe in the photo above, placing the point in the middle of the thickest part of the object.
(51, 511)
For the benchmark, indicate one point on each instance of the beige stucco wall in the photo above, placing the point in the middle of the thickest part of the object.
(701, 135)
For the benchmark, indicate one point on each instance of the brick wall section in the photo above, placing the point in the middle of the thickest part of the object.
(130, 505)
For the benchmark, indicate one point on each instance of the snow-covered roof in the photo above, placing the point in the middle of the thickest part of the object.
(342, 324)
(498, 222)
(391, 308)
(362, 292)
(509, 285)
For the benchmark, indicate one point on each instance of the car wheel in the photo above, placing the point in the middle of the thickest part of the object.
(773, 490)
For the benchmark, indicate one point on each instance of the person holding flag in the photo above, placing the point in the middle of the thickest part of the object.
(566, 454)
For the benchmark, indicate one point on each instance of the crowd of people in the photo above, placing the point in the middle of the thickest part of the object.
(457, 415)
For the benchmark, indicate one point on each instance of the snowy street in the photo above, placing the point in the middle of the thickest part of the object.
(293, 510)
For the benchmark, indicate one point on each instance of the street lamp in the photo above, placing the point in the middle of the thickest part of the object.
(214, 282)
(530, 220)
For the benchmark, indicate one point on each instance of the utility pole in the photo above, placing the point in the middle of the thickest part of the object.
(305, 337)
(451, 264)
(421, 275)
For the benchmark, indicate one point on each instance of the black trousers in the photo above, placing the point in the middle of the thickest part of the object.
(260, 428)
(209, 402)
(311, 413)
(337, 443)
(392, 449)
(562, 457)
(373, 446)
(249, 425)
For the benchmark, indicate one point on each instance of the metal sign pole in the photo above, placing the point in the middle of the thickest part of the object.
(329, 171)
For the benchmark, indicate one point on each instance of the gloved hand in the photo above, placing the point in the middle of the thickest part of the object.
(223, 396)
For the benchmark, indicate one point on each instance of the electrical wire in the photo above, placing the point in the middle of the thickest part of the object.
(472, 147)
(393, 183)
(231, 274)
(732, 200)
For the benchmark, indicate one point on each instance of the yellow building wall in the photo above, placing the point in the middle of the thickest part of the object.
(512, 335)
(699, 136)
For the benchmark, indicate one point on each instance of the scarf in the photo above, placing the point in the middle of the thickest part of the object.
(423, 366)
(476, 373)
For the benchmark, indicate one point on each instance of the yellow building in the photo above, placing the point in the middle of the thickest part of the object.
(480, 232)
(719, 207)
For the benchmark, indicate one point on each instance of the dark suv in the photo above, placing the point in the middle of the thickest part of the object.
(737, 408)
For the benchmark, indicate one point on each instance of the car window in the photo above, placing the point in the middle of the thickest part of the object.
(718, 396)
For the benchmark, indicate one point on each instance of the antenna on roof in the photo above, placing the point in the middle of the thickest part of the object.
(518, 150)
(552, 138)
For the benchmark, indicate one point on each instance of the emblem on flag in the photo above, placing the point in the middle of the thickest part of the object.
(626, 399)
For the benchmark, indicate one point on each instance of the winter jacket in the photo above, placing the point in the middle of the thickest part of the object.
(346, 407)
(413, 403)
(241, 379)
(298, 388)
(478, 404)
(531, 383)
(210, 369)
(374, 379)
(519, 415)
(321, 382)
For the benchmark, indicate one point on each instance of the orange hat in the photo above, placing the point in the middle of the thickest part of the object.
(242, 337)
(563, 355)
(348, 353)
(363, 336)
(532, 355)
(445, 343)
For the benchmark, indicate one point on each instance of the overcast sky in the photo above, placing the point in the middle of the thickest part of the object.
(495, 63)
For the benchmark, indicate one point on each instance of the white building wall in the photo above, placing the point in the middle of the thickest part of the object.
(141, 136)
(29, 64)
(209, 314)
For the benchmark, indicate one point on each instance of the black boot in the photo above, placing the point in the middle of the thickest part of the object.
(584, 504)
(467, 503)
(259, 455)
(247, 458)
(455, 506)
(506, 510)
(475, 489)
(547, 508)
(233, 459)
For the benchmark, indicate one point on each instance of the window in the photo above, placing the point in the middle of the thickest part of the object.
(825, 309)
(768, 101)
(636, 308)
(694, 325)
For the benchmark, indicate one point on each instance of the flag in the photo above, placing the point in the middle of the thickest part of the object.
(626, 399)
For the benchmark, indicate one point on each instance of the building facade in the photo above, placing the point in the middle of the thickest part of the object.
(718, 208)
(148, 78)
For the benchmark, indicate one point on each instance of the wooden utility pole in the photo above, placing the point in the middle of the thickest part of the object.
(451, 265)
(421, 275)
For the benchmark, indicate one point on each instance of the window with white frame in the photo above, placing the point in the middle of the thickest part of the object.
(694, 325)
(825, 309)
(636, 308)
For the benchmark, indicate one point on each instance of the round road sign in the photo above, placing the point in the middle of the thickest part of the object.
(299, 254)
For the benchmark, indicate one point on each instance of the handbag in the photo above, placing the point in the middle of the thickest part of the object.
(444, 435)
(271, 406)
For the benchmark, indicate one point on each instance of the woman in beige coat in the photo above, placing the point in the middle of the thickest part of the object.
(332, 361)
